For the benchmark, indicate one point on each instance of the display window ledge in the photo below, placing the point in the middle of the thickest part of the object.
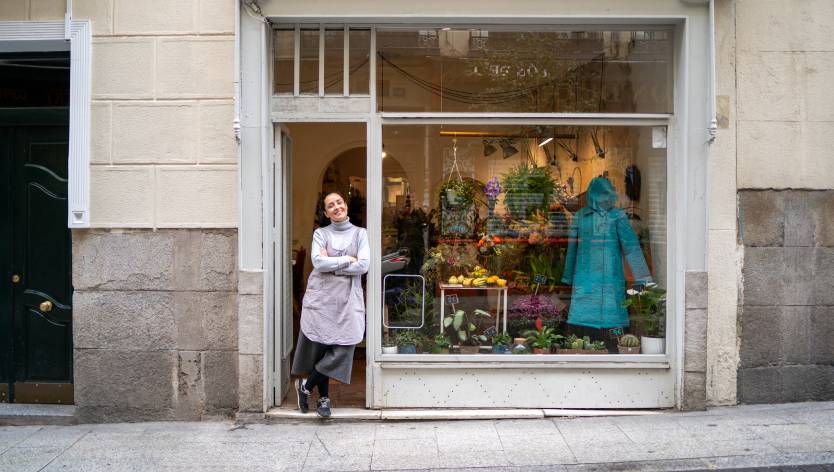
(543, 361)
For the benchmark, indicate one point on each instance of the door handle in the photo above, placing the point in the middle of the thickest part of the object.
(45, 306)
(15, 279)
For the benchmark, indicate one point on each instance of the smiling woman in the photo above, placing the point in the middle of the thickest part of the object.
(333, 308)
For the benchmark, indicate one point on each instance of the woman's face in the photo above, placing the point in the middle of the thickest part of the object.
(335, 207)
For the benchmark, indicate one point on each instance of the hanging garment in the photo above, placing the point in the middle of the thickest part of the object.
(600, 236)
(632, 183)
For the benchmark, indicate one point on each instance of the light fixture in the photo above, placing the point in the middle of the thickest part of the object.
(545, 142)
(384, 154)
(508, 149)
(597, 148)
(489, 148)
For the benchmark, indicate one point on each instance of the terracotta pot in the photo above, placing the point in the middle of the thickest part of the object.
(539, 350)
(628, 349)
(469, 349)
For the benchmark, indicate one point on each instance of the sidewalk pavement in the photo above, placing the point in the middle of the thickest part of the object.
(785, 435)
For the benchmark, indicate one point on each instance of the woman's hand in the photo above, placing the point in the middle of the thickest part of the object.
(352, 259)
(323, 252)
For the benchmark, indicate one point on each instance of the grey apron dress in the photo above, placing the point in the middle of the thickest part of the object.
(332, 320)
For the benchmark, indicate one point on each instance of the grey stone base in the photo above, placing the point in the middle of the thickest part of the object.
(786, 312)
(155, 324)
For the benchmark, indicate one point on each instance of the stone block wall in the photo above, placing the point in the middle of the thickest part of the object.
(155, 324)
(786, 307)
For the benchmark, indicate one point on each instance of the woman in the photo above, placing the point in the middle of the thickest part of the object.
(333, 308)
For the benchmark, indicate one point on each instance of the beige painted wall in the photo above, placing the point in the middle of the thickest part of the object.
(163, 150)
(785, 108)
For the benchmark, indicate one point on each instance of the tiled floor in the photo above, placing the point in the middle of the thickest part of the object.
(341, 395)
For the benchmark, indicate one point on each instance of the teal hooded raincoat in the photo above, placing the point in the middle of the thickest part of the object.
(600, 235)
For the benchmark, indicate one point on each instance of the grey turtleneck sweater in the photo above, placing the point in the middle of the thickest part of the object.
(336, 238)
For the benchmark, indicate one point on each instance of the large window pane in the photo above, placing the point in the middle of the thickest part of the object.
(360, 47)
(309, 74)
(481, 70)
(495, 232)
(284, 44)
(334, 60)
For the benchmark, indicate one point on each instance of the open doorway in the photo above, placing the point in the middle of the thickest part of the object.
(325, 157)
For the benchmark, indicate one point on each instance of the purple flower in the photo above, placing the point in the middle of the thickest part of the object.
(535, 306)
(493, 188)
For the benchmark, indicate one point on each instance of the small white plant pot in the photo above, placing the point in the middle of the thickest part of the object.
(389, 349)
(652, 345)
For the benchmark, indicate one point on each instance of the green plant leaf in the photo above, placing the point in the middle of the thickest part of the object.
(462, 335)
(458, 321)
(447, 321)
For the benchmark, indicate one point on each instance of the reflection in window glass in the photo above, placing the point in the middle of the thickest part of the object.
(525, 239)
(309, 73)
(334, 60)
(477, 70)
(360, 46)
(284, 44)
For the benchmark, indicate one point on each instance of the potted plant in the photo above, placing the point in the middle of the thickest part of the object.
(457, 204)
(464, 326)
(648, 305)
(543, 338)
(594, 347)
(525, 310)
(527, 188)
(389, 346)
(407, 341)
(628, 344)
(501, 343)
(441, 344)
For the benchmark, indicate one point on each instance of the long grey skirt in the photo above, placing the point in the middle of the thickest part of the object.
(334, 361)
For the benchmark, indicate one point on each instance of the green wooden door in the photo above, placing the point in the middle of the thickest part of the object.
(36, 317)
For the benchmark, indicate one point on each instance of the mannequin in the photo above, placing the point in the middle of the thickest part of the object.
(600, 237)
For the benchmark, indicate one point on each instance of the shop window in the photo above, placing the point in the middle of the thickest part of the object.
(523, 239)
(486, 70)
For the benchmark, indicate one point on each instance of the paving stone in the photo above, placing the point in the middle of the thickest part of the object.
(525, 428)
(761, 216)
(24, 459)
(791, 438)
(55, 436)
(404, 431)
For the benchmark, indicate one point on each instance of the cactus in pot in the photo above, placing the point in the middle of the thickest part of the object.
(628, 344)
